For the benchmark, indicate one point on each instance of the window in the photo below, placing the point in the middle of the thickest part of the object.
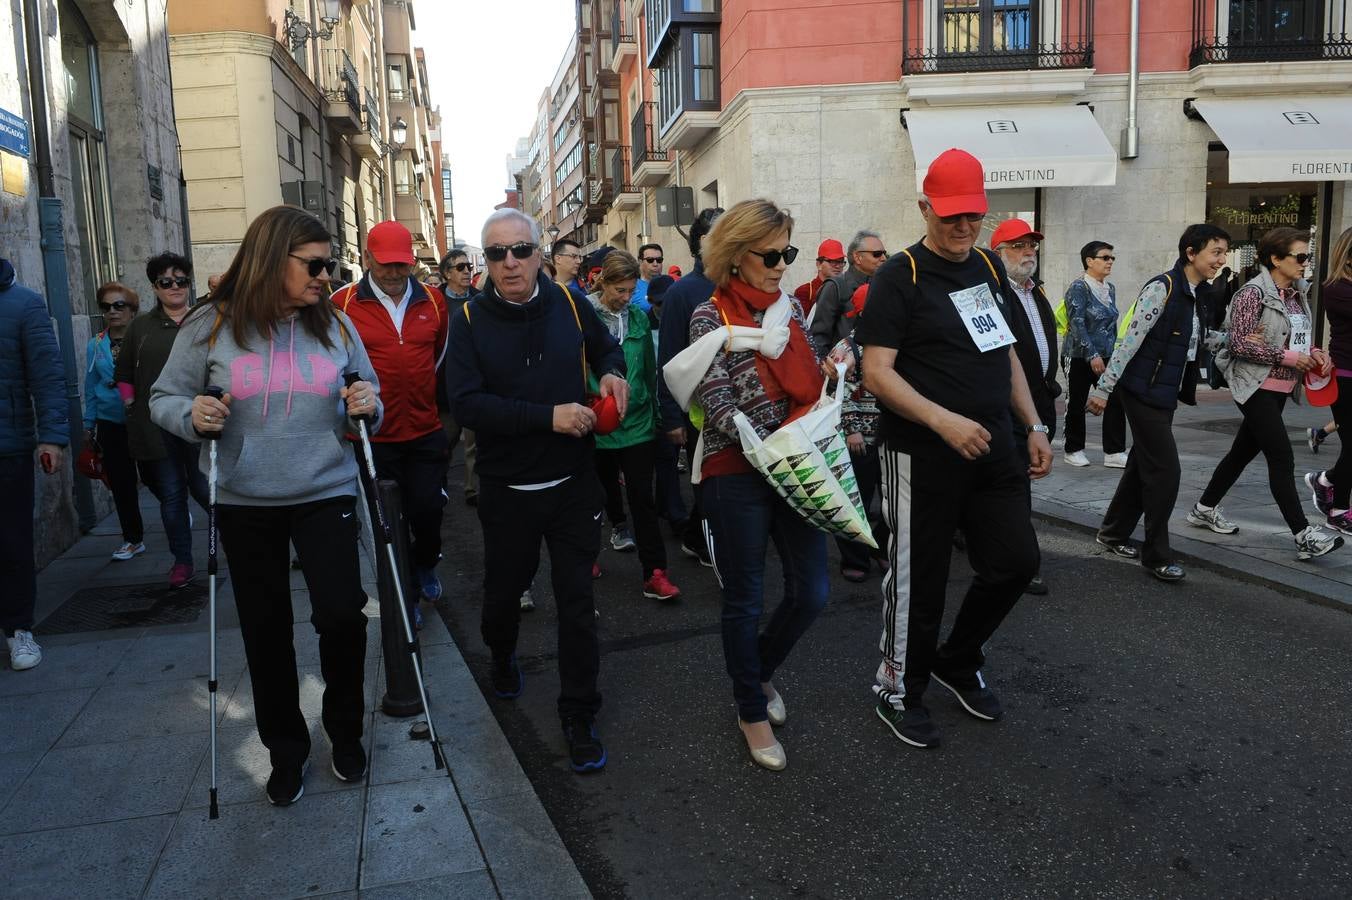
(92, 211)
(703, 63)
(403, 176)
(398, 86)
(687, 78)
(1257, 25)
(987, 26)
(570, 162)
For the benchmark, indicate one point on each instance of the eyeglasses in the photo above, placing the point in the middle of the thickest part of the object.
(876, 254)
(840, 261)
(771, 258)
(1025, 245)
(460, 267)
(317, 264)
(1106, 258)
(521, 250)
(653, 259)
(115, 306)
(165, 284)
(1301, 258)
(568, 255)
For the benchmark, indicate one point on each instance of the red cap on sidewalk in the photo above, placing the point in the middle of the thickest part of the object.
(956, 183)
(1012, 230)
(390, 242)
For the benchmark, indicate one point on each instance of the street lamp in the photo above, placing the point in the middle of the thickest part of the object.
(298, 31)
(398, 132)
(553, 233)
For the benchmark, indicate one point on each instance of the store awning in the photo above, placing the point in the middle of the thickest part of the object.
(1020, 146)
(1307, 138)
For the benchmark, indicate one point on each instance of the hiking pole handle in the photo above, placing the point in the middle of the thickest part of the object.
(215, 392)
(349, 379)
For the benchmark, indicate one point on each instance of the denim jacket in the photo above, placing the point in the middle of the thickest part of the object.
(1091, 327)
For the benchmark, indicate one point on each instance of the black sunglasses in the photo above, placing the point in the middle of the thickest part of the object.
(1106, 258)
(876, 254)
(1301, 258)
(521, 250)
(165, 284)
(118, 305)
(317, 264)
(460, 267)
(771, 258)
(653, 259)
(839, 261)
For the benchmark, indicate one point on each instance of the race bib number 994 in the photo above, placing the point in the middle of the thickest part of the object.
(981, 314)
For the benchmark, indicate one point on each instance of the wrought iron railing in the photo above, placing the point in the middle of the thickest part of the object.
(340, 79)
(1270, 30)
(621, 29)
(978, 35)
(619, 170)
(641, 136)
(372, 114)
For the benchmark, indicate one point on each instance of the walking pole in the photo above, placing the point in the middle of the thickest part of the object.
(213, 439)
(385, 535)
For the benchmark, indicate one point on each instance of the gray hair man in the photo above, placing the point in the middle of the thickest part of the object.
(829, 322)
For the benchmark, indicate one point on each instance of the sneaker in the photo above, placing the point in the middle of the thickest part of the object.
(415, 618)
(1341, 522)
(1077, 459)
(1037, 587)
(1315, 437)
(128, 550)
(596, 571)
(1211, 518)
(349, 761)
(1323, 496)
(979, 700)
(429, 584)
(527, 602)
(286, 784)
(180, 575)
(1169, 572)
(1315, 541)
(1115, 460)
(1120, 548)
(853, 575)
(586, 753)
(621, 539)
(24, 652)
(697, 551)
(506, 677)
(659, 587)
(913, 726)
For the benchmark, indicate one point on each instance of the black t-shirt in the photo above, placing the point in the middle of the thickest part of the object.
(936, 354)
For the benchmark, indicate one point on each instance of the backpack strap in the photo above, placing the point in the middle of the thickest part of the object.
(348, 293)
(915, 273)
(990, 265)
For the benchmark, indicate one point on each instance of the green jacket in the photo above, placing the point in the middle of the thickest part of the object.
(640, 420)
(145, 350)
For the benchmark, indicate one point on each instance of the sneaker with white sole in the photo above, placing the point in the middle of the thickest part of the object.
(1315, 541)
(1115, 460)
(1211, 518)
(1322, 494)
(1077, 459)
(128, 550)
(621, 539)
(1341, 522)
(24, 652)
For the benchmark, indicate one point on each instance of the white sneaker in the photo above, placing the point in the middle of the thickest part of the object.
(1115, 460)
(24, 652)
(1077, 459)
(128, 550)
(527, 602)
(1313, 541)
(1211, 518)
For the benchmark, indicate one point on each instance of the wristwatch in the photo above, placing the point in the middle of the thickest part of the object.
(1038, 427)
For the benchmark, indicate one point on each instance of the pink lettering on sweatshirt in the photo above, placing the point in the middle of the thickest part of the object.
(248, 372)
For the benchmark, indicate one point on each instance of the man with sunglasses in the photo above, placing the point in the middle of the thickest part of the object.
(829, 323)
(649, 267)
(404, 324)
(830, 263)
(938, 354)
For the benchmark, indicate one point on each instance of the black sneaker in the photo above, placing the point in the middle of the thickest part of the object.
(697, 550)
(973, 694)
(508, 682)
(1120, 548)
(912, 725)
(586, 753)
(286, 785)
(349, 761)
(1037, 587)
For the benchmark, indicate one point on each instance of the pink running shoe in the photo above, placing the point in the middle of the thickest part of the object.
(180, 575)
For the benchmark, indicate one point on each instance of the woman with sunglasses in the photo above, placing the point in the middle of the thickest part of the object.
(105, 418)
(1091, 333)
(745, 256)
(270, 338)
(168, 463)
(1267, 352)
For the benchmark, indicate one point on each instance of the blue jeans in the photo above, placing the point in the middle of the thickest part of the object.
(744, 514)
(171, 479)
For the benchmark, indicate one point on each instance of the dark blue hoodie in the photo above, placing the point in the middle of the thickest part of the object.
(509, 365)
(31, 375)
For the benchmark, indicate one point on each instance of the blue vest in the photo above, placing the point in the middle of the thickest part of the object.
(1158, 373)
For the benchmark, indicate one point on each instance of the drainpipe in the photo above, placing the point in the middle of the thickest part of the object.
(1131, 135)
(53, 243)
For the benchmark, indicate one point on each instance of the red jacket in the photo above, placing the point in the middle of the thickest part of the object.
(807, 294)
(406, 363)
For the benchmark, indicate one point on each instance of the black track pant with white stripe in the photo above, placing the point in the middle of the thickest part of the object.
(926, 498)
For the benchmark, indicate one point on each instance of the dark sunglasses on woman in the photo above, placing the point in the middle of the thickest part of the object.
(1301, 258)
(521, 250)
(772, 257)
(165, 284)
(317, 264)
(118, 305)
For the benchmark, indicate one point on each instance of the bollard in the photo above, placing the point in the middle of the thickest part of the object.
(401, 688)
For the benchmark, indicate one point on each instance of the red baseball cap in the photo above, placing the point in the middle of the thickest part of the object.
(956, 183)
(390, 242)
(830, 249)
(1321, 390)
(1012, 230)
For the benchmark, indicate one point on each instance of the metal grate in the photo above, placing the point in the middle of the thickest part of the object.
(127, 606)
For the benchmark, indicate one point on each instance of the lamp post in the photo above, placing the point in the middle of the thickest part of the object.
(298, 31)
(552, 232)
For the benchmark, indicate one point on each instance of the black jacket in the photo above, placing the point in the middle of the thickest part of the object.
(1041, 380)
(510, 364)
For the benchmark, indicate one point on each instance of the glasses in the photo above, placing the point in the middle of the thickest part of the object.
(1301, 258)
(460, 267)
(568, 255)
(1025, 245)
(876, 254)
(317, 264)
(840, 261)
(771, 258)
(521, 250)
(653, 259)
(115, 306)
(1106, 258)
(165, 284)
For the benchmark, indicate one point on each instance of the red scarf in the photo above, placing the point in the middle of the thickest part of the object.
(794, 375)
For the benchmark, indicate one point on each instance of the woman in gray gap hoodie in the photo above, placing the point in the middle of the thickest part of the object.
(271, 339)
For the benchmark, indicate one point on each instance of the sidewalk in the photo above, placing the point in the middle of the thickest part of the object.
(1263, 549)
(104, 766)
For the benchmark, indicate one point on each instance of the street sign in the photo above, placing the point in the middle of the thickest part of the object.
(675, 206)
(13, 133)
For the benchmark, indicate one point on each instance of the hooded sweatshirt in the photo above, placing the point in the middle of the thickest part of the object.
(283, 441)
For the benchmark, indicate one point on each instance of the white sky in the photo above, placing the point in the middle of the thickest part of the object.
(488, 61)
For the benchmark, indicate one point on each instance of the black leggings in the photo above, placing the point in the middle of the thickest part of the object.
(122, 481)
(1262, 431)
(1341, 473)
(636, 462)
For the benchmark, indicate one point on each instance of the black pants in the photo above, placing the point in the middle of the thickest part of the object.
(1262, 431)
(419, 467)
(1149, 484)
(1082, 378)
(636, 462)
(122, 480)
(18, 575)
(867, 472)
(567, 517)
(256, 541)
(667, 481)
(1341, 473)
(694, 535)
(925, 499)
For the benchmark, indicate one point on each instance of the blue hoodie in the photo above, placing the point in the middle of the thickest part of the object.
(31, 375)
(102, 400)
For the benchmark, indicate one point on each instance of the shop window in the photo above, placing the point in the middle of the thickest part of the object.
(1248, 211)
(1021, 203)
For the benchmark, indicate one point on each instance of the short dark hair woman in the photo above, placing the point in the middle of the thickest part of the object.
(287, 476)
(1269, 350)
(1091, 332)
(105, 416)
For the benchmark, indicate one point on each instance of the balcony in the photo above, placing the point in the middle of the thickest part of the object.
(1010, 35)
(622, 37)
(338, 81)
(651, 166)
(1230, 31)
(624, 195)
(368, 143)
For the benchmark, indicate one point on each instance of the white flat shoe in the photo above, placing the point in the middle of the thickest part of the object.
(772, 757)
(774, 706)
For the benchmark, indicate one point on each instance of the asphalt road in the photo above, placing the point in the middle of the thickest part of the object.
(1159, 740)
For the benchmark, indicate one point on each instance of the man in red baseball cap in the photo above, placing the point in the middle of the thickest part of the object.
(404, 325)
(830, 261)
(938, 336)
